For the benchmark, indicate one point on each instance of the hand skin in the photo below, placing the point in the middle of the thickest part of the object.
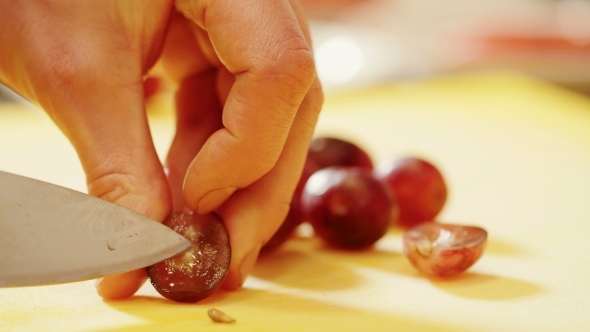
(247, 102)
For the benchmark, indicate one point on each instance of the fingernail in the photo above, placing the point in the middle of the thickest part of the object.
(248, 263)
(213, 199)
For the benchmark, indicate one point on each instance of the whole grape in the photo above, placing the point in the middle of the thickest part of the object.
(332, 151)
(418, 185)
(348, 207)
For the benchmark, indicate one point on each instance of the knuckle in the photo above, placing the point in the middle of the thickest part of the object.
(296, 63)
(289, 63)
(111, 186)
(130, 191)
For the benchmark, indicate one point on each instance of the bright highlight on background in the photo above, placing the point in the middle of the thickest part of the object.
(339, 59)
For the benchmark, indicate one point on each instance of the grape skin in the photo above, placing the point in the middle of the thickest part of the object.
(348, 207)
(444, 250)
(198, 272)
(418, 186)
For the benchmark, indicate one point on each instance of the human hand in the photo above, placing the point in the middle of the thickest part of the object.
(247, 104)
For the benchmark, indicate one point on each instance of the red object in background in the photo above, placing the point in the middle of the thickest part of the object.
(419, 187)
(348, 207)
(332, 151)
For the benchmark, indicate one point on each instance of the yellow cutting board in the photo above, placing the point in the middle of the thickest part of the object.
(516, 155)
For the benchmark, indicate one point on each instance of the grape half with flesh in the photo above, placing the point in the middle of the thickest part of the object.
(444, 250)
(197, 272)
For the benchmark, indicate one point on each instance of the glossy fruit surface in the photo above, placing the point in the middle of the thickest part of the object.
(419, 188)
(295, 216)
(444, 250)
(331, 151)
(197, 272)
(348, 207)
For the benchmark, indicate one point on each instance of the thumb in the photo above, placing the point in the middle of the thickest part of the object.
(83, 63)
(102, 113)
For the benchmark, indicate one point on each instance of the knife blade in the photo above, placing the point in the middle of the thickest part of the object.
(51, 234)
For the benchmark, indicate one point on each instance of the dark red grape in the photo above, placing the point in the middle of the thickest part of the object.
(331, 151)
(444, 250)
(419, 187)
(295, 216)
(348, 207)
(199, 271)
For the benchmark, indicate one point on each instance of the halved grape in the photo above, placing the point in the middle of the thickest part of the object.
(444, 250)
(332, 151)
(198, 272)
(418, 186)
(347, 206)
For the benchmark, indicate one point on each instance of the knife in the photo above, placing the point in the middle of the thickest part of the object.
(51, 235)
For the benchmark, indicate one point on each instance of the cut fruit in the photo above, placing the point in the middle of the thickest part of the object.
(197, 272)
(444, 250)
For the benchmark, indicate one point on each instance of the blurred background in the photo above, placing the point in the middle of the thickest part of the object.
(364, 42)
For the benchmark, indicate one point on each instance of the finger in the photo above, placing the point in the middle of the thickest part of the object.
(83, 63)
(206, 47)
(198, 113)
(98, 104)
(250, 218)
(198, 117)
(122, 285)
(272, 61)
(121, 166)
(109, 130)
(181, 55)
